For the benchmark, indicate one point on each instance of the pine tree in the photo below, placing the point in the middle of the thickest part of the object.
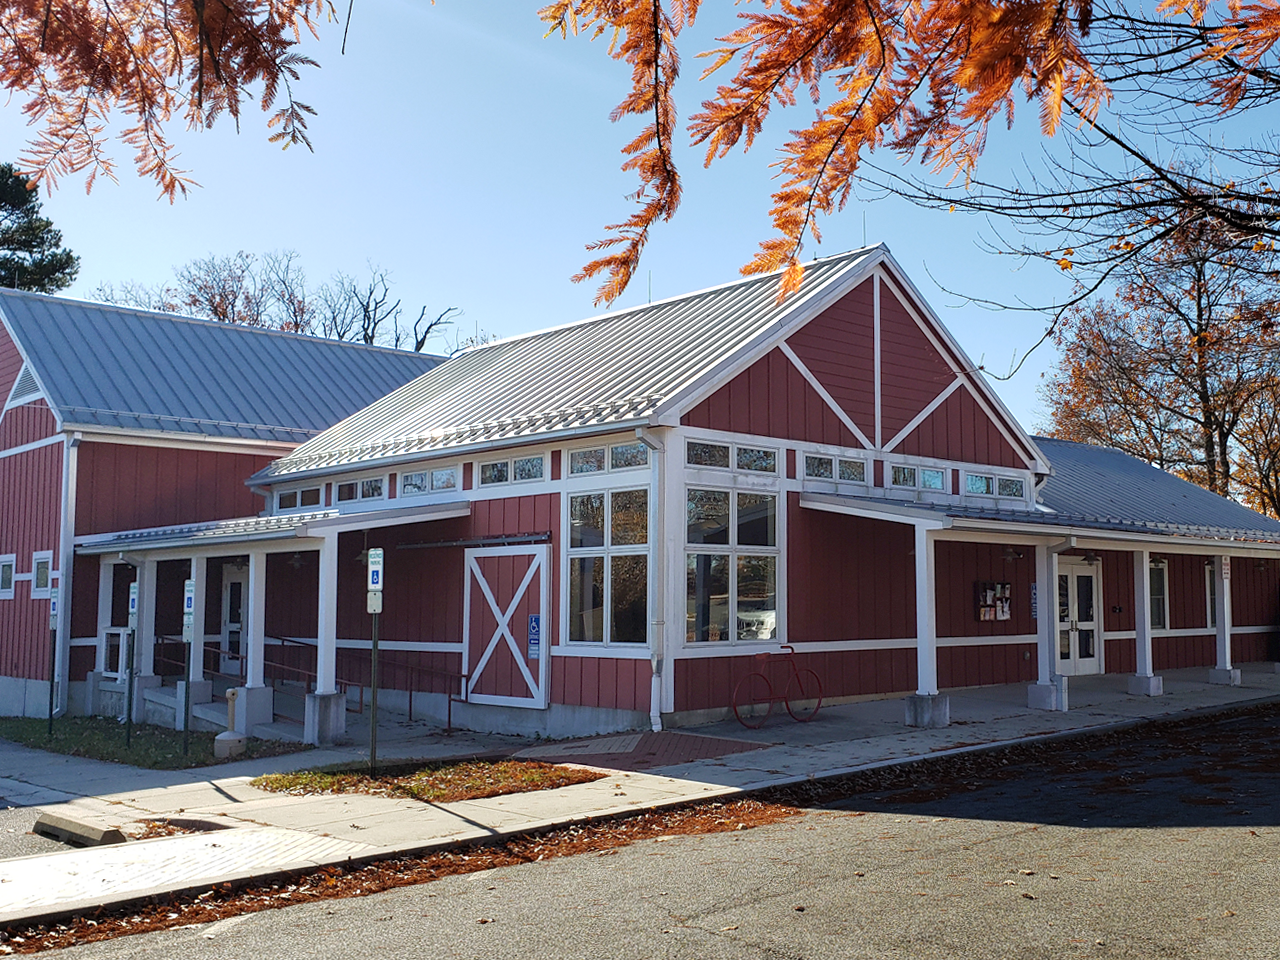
(31, 253)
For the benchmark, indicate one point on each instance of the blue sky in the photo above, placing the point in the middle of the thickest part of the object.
(473, 159)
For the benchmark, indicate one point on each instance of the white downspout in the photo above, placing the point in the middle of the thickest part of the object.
(66, 561)
(657, 576)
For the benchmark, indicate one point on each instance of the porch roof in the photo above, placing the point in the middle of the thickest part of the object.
(239, 530)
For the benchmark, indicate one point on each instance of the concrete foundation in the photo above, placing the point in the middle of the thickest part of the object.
(1064, 690)
(1042, 696)
(1228, 678)
(932, 712)
(229, 744)
(140, 686)
(254, 705)
(326, 718)
(1141, 686)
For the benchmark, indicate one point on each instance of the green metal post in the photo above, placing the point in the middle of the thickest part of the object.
(373, 703)
(128, 695)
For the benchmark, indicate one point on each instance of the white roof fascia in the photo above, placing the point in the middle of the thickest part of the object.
(385, 518)
(459, 451)
(983, 392)
(891, 511)
(193, 441)
(810, 305)
(184, 535)
(1098, 539)
(26, 360)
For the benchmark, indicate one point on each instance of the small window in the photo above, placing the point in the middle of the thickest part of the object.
(586, 461)
(1007, 487)
(757, 461)
(292, 499)
(346, 491)
(41, 574)
(309, 497)
(853, 470)
(707, 455)
(288, 501)
(414, 483)
(708, 516)
(818, 467)
(7, 564)
(527, 468)
(445, 478)
(976, 483)
(1159, 598)
(623, 456)
(499, 472)
(371, 489)
(904, 476)
(933, 479)
(429, 481)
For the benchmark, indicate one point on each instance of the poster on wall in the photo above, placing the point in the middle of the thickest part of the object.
(995, 600)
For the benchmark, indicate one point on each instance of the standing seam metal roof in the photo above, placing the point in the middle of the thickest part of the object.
(114, 367)
(610, 370)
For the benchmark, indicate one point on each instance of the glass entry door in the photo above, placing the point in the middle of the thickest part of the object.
(1079, 620)
(235, 585)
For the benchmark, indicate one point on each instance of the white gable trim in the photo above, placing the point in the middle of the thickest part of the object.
(28, 365)
(924, 414)
(829, 400)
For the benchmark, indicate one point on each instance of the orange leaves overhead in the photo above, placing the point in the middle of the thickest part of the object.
(80, 61)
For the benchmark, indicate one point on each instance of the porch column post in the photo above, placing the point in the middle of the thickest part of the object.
(1144, 683)
(146, 677)
(1223, 673)
(106, 592)
(326, 710)
(927, 708)
(257, 701)
(1043, 694)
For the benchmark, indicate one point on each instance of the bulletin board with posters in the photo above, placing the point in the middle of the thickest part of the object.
(994, 599)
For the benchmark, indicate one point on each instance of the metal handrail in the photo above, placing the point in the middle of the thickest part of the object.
(343, 685)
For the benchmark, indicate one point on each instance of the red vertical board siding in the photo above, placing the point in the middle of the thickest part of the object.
(555, 464)
(1188, 591)
(961, 566)
(791, 464)
(26, 424)
(772, 399)
(466, 475)
(124, 487)
(838, 347)
(1175, 653)
(1117, 591)
(848, 578)
(1255, 592)
(1121, 655)
(912, 372)
(959, 429)
(10, 364)
(984, 665)
(84, 597)
(391, 486)
(877, 473)
(29, 522)
(293, 597)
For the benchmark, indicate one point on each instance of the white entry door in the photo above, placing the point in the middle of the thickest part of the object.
(235, 587)
(1079, 618)
(505, 656)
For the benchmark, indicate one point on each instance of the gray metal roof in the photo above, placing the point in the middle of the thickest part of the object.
(239, 530)
(114, 367)
(604, 373)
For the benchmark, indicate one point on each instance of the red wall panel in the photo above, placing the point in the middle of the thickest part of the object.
(1117, 591)
(84, 597)
(1255, 592)
(912, 372)
(960, 566)
(1122, 655)
(29, 521)
(959, 430)
(1174, 653)
(848, 578)
(10, 364)
(838, 347)
(1188, 591)
(974, 666)
(26, 424)
(773, 399)
(588, 682)
(123, 487)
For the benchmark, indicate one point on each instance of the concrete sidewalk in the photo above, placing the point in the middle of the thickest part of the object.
(271, 834)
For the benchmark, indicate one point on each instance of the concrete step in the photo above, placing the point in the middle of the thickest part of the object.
(279, 730)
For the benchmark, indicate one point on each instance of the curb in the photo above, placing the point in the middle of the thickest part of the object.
(498, 834)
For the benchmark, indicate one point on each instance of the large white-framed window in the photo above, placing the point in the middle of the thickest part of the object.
(305, 498)
(731, 566)
(370, 488)
(8, 567)
(433, 480)
(607, 458)
(608, 560)
(41, 574)
(1159, 578)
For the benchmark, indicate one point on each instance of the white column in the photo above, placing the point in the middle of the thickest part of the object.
(200, 574)
(1144, 682)
(1043, 694)
(926, 616)
(327, 619)
(106, 592)
(146, 618)
(1224, 672)
(255, 618)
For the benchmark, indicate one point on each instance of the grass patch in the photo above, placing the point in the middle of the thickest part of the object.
(442, 782)
(153, 748)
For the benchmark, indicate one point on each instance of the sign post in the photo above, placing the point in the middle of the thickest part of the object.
(128, 672)
(53, 648)
(374, 608)
(188, 638)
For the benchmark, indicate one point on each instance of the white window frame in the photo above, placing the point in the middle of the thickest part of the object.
(318, 505)
(359, 497)
(567, 460)
(42, 593)
(430, 472)
(511, 470)
(608, 550)
(734, 550)
(11, 561)
(995, 479)
(913, 467)
(1163, 567)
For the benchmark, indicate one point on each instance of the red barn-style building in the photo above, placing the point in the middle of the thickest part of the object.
(118, 419)
(596, 527)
